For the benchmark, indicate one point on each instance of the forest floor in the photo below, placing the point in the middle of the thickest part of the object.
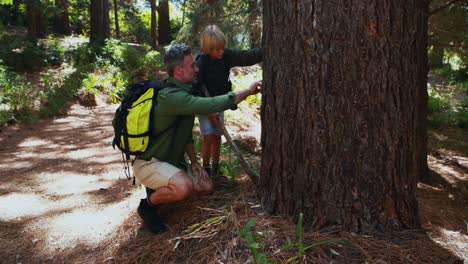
(64, 198)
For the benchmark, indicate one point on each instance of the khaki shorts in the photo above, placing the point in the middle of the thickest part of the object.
(155, 173)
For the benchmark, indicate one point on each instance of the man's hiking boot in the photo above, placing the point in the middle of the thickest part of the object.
(150, 217)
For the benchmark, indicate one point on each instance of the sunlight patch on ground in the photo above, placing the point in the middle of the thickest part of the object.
(35, 142)
(72, 184)
(450, 174)
(17, 205)
(90, 226)
(79, 154)
(12, 164)
(455, 241)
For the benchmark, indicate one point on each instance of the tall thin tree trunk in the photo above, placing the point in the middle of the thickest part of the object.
(154, 39)
(164, 24)
(340, 113)
(436, 56)
(254, 27)
(62, 22)
(100, 22)
(34, 19)
(116, 19)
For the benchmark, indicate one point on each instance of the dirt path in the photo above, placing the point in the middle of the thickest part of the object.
(63, 191)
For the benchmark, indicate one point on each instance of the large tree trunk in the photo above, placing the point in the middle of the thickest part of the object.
(343, 81)
(62, 22)
(422, 170)
(100, 23)
(116, 19)
(164, 24)
(154, 39)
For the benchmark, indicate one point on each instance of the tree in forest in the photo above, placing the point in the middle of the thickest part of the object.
(164, 23)
(62, 21)
(254, 23)
(240, 20)
(154, 40)
(34, 19)
(100, 27)
(343, 111)
(116, 19)
(448, 24)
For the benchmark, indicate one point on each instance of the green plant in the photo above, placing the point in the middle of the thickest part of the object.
(230, 164)
(151, 64)
(197, 141)
(299, 244)
(254, 246)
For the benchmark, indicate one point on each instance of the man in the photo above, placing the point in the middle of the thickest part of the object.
(163, 168)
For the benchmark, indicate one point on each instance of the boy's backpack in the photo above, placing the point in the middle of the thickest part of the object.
(133, 119)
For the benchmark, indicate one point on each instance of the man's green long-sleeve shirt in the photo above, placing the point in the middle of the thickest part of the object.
(177, 104)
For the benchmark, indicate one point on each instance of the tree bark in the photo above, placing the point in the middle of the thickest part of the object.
(62, 21)
(100, 22)
(164, 24)
(116, 19)
(342, 90)
(34, 19)
(154, 39)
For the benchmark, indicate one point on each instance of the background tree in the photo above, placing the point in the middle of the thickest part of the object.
(164, 23)
(62, 22)
(116, 19)
(154, 39)
(448, 30)
(100, 23)
(340, 111)
(34, 19)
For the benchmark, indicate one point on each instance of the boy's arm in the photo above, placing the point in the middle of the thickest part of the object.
(243, 57)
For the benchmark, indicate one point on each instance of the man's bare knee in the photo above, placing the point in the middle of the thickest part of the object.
(181, 184)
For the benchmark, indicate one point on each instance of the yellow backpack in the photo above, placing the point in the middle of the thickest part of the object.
(133, 118)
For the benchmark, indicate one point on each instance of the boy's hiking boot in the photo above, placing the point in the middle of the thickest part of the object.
(215, 170)
(150, 217)
(207, 168)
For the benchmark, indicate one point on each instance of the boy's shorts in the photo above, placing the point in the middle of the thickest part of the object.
(155, 173)
(207, 128)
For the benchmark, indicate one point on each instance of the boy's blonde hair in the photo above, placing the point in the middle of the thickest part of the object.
(212, 38)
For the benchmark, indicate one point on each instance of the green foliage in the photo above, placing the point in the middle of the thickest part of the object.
(447, 27)
(243, 79)
(54, 51)
(21, 55)
(299, 244)
(152, 63)
(15, 93)
(232, 16)
(437, 102)
(251, 238)
(134, 24)
(230, 164)
(458, 77)
(79, 16)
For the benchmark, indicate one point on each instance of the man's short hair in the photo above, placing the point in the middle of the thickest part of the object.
(212, 38)
(175, 56)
